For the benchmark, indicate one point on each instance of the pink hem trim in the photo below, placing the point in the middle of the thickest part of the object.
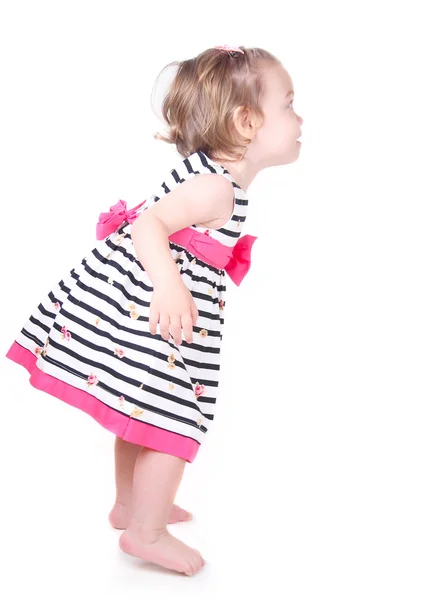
(123, 426)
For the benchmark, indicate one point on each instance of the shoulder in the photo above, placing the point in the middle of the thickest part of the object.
(208, 187)
(197, 198)
(197, 173)
(212, 182)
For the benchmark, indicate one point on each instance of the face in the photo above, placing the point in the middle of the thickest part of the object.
(275, 143)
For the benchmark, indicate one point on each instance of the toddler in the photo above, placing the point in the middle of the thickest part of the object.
(93, 340)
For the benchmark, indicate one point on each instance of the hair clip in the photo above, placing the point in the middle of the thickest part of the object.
(231, 50)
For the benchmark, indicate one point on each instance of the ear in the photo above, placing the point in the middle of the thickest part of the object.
(244, 122)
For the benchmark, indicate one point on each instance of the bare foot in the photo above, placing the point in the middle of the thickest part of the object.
(163, 549)
(119, 516)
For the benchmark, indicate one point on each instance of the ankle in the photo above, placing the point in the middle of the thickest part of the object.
(147, 531)
(125, 503)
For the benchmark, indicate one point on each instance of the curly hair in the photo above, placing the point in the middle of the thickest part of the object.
(200, 101)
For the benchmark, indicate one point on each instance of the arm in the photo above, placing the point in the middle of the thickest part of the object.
(204, 197)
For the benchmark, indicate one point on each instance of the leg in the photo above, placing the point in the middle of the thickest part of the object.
(156, 478)
(125, 459)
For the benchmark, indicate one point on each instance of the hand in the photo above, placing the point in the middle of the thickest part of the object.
(174, 308)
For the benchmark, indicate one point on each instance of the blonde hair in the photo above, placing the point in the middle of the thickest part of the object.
(204, 92)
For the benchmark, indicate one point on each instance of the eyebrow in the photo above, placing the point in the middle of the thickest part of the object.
(290, 92)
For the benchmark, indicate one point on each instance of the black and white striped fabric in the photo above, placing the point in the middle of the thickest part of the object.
(93, 325)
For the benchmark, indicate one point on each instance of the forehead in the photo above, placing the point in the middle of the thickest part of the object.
(277, 81)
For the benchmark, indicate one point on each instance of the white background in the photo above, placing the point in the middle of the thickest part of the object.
(320, 475)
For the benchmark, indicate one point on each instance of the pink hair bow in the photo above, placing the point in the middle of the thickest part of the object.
(228, 49)
(110, 221)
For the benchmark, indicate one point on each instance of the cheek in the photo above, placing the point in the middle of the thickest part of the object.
(278, 130)
(287, 121)
(287, 126)
(275, 127)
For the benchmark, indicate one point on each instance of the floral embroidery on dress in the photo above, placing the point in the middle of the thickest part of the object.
(199, 421)
(134, 314)
(171, 386)
(38, 350)
(46, 346)
(118, 239)
(92, 380)
(178, 257)
(56, 305)
(119, 352)
(207, 232)
(171, 359)
(110, 280)
(194, 260)
(221, 304)
(210, 291)
(65, 335)
(98, 320)
(136, 412)
(108, 255)
(199, 389)
(121, 400)
(203, 333)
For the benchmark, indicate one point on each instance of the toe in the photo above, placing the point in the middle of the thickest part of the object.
(183, 514)
(179, 514)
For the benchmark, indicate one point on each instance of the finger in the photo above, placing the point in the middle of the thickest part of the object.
(164, 326)
(187, 325)
(194, 313)
(176, 330)
(153, 320)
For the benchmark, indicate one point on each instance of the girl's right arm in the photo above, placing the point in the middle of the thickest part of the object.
(197, 200)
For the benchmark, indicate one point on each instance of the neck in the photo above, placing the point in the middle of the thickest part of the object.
(243, 172)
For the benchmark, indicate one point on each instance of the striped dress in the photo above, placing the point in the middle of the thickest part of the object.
(88, 341)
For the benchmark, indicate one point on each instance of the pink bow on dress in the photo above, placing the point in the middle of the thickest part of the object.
(240, 262)
(110, 221)
(235, 260)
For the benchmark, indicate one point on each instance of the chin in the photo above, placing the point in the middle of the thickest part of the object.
(296, 153)
(287, 158)
(293, 157)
